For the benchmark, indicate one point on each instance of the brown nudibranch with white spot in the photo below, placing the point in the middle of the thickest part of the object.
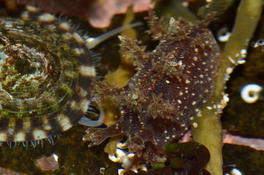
(170, 85)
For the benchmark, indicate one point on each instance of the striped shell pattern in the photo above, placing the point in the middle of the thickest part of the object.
(46, 71)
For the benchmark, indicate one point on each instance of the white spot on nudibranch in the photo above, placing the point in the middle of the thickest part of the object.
(195, 125)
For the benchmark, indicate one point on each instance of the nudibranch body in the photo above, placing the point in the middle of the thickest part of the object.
(170, 85)
(45, 71)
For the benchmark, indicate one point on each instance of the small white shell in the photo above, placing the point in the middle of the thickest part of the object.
(250, 93)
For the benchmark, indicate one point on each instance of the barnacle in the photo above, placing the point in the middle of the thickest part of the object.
(171, 83)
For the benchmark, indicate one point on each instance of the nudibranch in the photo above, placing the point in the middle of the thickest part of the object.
(170, 85)
(45, 69)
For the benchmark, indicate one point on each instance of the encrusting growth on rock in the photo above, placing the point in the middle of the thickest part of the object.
(169, 87)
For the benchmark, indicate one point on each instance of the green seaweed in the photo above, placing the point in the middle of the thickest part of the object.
(217, 6)
(250, 120)
(209, 131)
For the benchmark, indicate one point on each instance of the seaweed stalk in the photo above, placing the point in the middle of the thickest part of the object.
(209, 130)
(217, 6)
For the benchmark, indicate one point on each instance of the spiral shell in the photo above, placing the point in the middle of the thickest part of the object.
(45, 72)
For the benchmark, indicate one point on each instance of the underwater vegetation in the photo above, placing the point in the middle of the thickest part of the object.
(179, 55)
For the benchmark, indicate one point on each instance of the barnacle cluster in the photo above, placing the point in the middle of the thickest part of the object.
(171, 83)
